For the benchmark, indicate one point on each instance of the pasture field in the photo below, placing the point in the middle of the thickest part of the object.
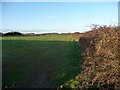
(39, 61)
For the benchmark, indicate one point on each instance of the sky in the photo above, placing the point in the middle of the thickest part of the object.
(42, 17)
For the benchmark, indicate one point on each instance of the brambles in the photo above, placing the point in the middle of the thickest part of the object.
(101, 67)
(100, 51)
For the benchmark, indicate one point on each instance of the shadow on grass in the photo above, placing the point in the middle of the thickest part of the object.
(36, 64)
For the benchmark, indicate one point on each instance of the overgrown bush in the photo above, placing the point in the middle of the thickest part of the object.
(101, 67)
(101, 54)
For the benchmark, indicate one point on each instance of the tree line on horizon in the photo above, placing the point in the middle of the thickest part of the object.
(30, 34)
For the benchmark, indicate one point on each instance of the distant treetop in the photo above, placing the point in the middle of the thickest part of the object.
(13, 34)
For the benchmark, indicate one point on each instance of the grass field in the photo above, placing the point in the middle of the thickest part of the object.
(39, 61)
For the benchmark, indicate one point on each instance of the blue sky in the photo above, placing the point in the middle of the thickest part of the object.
(40, 17)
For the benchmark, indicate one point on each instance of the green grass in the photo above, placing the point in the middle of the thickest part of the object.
(58, 37)
(39, 61)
